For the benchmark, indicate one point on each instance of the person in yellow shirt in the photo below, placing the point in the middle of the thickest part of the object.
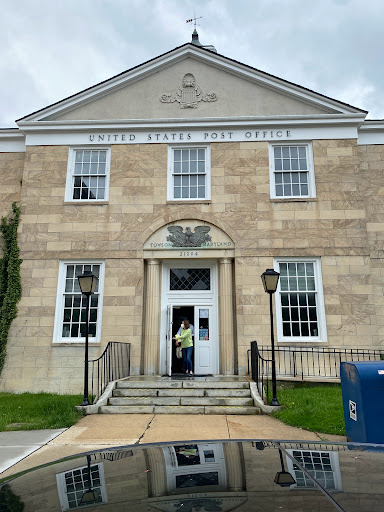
(185, 338)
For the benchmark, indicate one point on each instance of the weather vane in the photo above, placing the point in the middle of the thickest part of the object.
(193, 20)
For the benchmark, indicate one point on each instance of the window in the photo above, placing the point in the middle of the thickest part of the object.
(291, 171)
(299, 300)
(189, 173)
(321, 465)
(70, 304)
(73, 483)
(88, 175)
(190, 279)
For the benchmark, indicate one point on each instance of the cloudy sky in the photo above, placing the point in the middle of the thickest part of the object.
(51, 49)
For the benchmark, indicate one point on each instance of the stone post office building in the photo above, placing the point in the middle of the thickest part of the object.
(178, 182)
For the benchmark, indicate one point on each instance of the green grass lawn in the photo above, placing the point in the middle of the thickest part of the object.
(311, 406)
(27, 411)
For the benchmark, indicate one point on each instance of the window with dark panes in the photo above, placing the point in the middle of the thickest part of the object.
(300, 312)
(189, 177)
(298, 299)
(323, 466)
(291, 171)
(74, 312)
(89, 174)
(74, 483)
(190, 279)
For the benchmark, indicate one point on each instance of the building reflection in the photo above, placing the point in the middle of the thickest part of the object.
(215, 476)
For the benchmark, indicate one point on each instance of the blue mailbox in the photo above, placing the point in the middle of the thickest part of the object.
(362, 386)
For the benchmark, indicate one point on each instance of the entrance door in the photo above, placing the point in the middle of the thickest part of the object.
(189, 290)
(169, 338)
(179, 314)
(205, 340)
(195, 468)
(202, 318)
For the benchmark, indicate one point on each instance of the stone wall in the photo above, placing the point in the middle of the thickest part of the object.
(11, 171)
(342, 226)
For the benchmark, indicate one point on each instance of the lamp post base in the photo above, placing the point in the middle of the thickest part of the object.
(84, 403)
(275, 402)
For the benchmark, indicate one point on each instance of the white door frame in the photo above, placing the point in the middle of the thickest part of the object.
(188, 298)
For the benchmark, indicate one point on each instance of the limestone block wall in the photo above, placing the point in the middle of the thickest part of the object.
(360, 490)
(11, 171)
(341, 225)
(125, 481)
(372, 174)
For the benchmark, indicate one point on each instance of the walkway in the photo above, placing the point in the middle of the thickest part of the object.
(100, 431)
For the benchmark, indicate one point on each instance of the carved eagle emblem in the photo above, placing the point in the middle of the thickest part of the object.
(189, 238)
(189, 94)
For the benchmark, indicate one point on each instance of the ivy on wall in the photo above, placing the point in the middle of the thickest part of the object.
(9, 501)
(10, 282)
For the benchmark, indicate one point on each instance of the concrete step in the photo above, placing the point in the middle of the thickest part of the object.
(150, 400)
(168, 409)
(145, 384)
(169, 400)
(227, 392)
(217, 401)
(215, 385)
(179, 384)
(183, 392)
(137, 392)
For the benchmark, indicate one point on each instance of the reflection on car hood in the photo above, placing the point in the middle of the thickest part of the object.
(206, 476)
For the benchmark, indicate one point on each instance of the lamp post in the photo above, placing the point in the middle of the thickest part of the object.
(89, 496)
(270, 279)
(283, 478)
(87, 283)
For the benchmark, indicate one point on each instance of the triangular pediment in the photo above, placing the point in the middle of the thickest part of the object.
(191, 83)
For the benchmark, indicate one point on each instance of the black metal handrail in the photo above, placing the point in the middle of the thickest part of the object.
(113, 364)
(312, 362)
(261, 369)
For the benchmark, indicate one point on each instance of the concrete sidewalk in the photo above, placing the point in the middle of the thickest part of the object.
(104, 430)
(16, 445)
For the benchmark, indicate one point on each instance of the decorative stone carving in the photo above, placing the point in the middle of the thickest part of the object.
(189, 94)
(188, 239)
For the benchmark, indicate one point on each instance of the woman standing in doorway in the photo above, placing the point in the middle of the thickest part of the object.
(185, 338)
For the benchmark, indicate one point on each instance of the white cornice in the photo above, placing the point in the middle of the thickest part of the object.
(178, 54)
(220, 123)
(374, 125)
(12, 141)
(371, 132)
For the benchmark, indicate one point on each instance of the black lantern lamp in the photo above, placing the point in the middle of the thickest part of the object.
(87, 283)
(283, 478)
(270, 280)
(89, 496)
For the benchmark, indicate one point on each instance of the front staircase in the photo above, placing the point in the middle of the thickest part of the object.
(181, 396)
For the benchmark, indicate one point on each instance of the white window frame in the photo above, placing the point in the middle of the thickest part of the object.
(70, 173)
(170, 187)
(310, 170)
(320, 309)
(62, 488)
(59, 314)
(334, 460)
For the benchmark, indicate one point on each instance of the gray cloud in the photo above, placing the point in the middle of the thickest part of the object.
(51, 50)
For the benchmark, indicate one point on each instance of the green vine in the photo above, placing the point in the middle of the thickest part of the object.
(10, 282)
(9, 501)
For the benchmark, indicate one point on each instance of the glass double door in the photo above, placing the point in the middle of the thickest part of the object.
(202, 319)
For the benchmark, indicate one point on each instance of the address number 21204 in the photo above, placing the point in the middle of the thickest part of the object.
(189, 253)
